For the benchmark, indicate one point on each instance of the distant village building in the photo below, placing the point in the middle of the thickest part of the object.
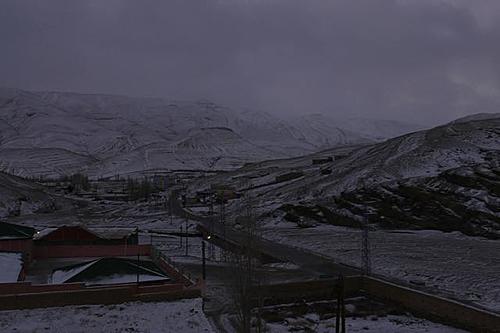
(324, 160)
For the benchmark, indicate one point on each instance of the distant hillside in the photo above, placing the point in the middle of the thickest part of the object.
(445, 178)
(52, 134)
(21, 197)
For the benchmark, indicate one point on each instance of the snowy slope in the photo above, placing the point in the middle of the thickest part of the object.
(50, 133)
(447, 177)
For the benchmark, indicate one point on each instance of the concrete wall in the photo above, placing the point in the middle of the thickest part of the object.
(433, 307)
(316, 290)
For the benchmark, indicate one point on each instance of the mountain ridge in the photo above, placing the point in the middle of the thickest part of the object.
(116, 133)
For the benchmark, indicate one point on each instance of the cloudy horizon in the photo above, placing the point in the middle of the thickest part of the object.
(419, 61)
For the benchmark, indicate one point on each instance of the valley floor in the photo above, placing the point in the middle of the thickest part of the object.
(466, 268)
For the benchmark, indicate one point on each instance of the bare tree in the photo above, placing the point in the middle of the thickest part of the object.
(244, 274)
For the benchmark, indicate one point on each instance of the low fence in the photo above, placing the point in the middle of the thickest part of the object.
(78, 295)
(27, 287)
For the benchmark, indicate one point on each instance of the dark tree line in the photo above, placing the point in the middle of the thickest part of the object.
(77, 181)
(139, 189)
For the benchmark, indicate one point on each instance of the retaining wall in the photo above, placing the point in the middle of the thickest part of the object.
(316, 290)
(433, 307)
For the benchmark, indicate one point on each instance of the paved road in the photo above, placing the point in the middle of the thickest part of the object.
(308, 261)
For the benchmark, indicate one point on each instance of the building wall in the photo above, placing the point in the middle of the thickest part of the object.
(73, 234)
(16, 245)
(75, 251)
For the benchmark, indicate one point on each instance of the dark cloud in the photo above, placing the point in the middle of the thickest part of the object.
(421, 60)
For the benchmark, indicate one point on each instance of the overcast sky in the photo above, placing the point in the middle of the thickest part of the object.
(424, 61)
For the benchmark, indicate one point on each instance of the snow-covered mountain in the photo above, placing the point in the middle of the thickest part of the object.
(50, 133)
(447, 178)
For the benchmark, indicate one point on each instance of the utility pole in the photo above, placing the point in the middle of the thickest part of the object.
(187, 236)
(223, 221)
(365, 247)
(203, 263)
(340, 318)
(180, 236)
(211, 249)
(184, 205)
(138, 258)
(171, 204)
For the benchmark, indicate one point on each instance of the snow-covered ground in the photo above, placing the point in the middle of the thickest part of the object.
(467, 268)
(10, 266)
(179, 316)
(389, 324)
(361, 315)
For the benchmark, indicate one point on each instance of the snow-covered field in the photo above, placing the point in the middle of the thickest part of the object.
(179, 316)
(467, 268)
